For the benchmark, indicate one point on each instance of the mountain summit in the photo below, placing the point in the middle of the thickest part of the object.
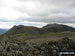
(21, 29)
(57, 28)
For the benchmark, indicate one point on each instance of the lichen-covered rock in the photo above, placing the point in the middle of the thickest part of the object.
(21, 48)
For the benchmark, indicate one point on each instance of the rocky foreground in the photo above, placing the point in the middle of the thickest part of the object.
(12, 47)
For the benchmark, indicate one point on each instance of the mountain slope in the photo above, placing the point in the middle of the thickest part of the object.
(57, 28)
(23, 30)
(50, 28)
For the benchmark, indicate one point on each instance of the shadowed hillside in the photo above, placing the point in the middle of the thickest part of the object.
(23, 30)
(57, 28)
(35, 31)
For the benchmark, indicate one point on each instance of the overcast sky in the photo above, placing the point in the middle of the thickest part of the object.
(36, 12)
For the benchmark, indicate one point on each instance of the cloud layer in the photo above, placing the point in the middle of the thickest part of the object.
(36, 12)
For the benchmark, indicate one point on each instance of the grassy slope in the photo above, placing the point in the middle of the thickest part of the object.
(52, 36)
(33, 34)
(43, 37)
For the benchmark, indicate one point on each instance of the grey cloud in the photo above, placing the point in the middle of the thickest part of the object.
(44, 11)
(50, 20)
(49, 5)
(59, 11)
(1, 3)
